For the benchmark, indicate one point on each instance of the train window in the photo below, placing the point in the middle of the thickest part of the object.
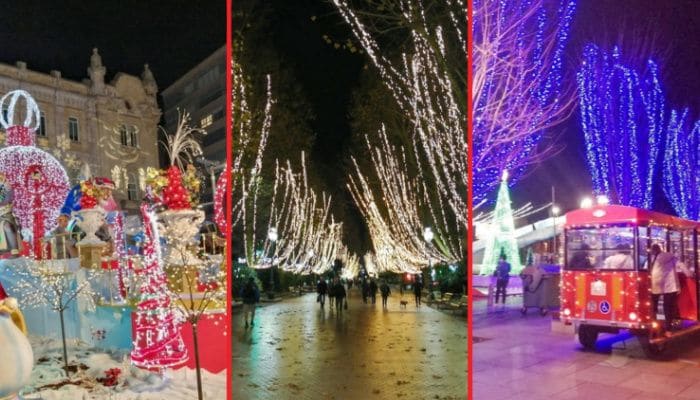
(603, 248)
(647, 237)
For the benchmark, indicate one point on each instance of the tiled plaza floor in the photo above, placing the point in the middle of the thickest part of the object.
(522, 358)
(296, 351)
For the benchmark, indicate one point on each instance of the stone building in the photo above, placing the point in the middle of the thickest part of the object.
(113, 127)
(201, 92)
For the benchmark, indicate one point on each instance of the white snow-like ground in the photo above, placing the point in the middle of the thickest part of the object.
(133, 383)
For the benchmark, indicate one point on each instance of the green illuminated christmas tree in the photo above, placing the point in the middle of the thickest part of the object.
(502, 237)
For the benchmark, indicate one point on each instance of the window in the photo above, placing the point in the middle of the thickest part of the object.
(132, 188)
(206, 121)
(603, 248)
(123, 135)
(42, 125)
(73, 129)
(128, 136)
(133, 137)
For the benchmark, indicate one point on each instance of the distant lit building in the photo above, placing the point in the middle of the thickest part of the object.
(201, 92)
(112, 127)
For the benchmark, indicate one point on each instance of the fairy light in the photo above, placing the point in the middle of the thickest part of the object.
(392, 212)
(680, 165)
(517, 90)
(501, 238)
(154, 315)
(622, 118)
(38, 180)
(430, 94)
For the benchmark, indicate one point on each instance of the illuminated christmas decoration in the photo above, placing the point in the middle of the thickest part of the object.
(309, 238)
(517, 90)
(429, 84)
(622, 117)
(39, 182)
(680, 165)
(501, 238)
(157, 339)
(393, 216)
(39, 284)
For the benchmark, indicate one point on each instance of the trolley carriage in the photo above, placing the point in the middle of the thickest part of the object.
(606, 283)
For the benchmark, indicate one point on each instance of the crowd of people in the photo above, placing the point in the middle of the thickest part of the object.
(334, 291)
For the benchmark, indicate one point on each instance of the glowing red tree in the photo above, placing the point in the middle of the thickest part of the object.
(157, 338)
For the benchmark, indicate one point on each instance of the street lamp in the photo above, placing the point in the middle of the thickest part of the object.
(555, 213)
(587, 202)
(428, 237)
(272, 236)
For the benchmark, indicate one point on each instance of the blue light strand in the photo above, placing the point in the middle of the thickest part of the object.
(516, 157)
(681, 164)
(622, 118)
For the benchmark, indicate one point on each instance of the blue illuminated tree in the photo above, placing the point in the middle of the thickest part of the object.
(622, 118)
(517, 89)
(681, 165)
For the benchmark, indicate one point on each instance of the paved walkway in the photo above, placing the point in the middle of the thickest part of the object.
(296, 351)
(521, 358)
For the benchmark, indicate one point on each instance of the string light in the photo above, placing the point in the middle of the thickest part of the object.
(430, 93)
(680, 165)
(38, 180)
(517, 90)
(393, 215)
(622, 117)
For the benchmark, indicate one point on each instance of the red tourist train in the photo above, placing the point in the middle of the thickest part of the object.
(606, 283)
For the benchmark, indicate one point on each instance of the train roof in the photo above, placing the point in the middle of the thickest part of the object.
(616, 214)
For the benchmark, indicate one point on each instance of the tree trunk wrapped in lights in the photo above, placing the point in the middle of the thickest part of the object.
(517, 90)
(680, 165)
(622, 117)
(429, 84)
(397, 214)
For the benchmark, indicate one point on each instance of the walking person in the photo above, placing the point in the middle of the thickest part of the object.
(502, 274)
(331, 294)
(664, 282)
(417, 291)
(365, 291)
(384, 289)
(250, 295)
(339, 291)
(322, 290)
(373, 291)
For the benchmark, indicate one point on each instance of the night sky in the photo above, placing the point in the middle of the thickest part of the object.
(172, 36)
(672, 28)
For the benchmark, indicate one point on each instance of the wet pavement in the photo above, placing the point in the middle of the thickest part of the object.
(296, 351)
(517, 357)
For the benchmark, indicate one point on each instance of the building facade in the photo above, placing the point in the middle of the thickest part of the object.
(201, 93)
(113, 127)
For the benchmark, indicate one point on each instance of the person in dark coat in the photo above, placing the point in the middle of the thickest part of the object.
(373, 291)
(322, 290)
(250, 295)
(417, 291)
(502, 274)
(365, 291)
(339, 292)
(384, 289)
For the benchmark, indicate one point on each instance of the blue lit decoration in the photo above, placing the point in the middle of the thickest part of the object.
(518, 51)
(622, 117)
(681, 165)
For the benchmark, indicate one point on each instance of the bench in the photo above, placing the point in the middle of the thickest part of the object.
(444, 300)
(457, 304)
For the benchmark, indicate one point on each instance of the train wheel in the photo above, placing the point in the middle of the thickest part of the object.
(587, 336)
(651, 350)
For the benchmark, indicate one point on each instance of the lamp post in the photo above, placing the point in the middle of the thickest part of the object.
(428, 237)
(272, 236)
(555, 213)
